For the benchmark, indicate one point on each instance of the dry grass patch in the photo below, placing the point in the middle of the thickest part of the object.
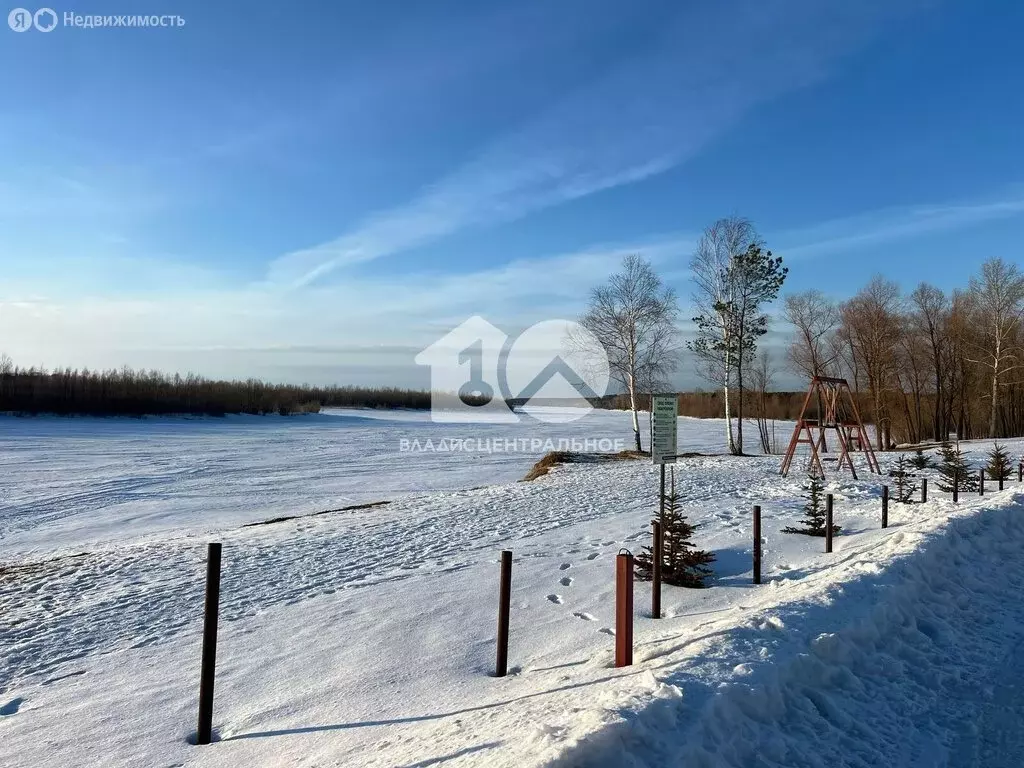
(555, 458)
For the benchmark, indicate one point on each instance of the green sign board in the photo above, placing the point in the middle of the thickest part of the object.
(665, 419)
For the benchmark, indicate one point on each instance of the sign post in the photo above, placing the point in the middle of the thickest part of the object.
(664, 415)
(664, 420)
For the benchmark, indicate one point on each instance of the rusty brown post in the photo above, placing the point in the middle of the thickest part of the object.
(1020, 472)
(828, 522)
(956, 487)
(207, 672)
(981, 482)
(656, 558)
(885, 506)
(757, 544)
(1001, 480)
(924, 489)
(504, 600)
(624, 609)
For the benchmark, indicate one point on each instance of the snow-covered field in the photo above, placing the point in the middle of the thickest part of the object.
(366, 637)
(82, 482)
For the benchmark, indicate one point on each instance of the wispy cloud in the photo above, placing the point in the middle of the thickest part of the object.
(58, 322)
(876, 227)
(652, 112)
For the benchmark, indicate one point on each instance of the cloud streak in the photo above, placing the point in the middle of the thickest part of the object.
(876, 227)
(653, 111)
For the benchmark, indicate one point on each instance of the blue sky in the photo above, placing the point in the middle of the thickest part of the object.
(316, 193)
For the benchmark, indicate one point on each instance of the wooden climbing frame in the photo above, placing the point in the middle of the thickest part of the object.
(838, 412)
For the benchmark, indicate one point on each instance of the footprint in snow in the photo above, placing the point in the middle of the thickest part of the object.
(566, 581)
(592, 556)
(556, 599)
(564, 566)
(607, 631)
(584, 616)
(11, 707)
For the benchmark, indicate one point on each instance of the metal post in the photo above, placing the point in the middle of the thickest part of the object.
(504, 600)
(1001, 480)
(656, 558)
(956, 486)
(885, 506)
(924, 489)
(207, 672)
(1020, 472)
(757, 544)
(981, 482)
(828, 522)
(624, 609)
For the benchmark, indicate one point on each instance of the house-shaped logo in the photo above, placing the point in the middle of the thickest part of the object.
(464, 384)
(554, 361)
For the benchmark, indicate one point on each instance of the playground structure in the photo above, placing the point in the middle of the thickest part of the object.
(837, 411)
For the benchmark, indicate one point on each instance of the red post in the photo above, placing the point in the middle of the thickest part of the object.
(504, 600)
(757, 544)
(624, 609)
(981, 482)
(885, 506)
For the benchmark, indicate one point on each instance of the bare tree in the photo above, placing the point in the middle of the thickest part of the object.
(999, 294)
(929, 319)
(717, 346)
(814, 319)
(762, 375)
(634, 317)
(871, 324)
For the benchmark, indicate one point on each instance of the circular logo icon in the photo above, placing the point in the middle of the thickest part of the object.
(45, 19)
(553, 364)
(20, 20)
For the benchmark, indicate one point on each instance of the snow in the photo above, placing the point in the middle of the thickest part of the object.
(82, 482)
(367, 637)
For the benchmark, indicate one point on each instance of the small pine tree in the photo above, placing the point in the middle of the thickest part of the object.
(952, 466)
(920, 461)
(905, 487)
(814, 510)
(681, 564)
(998, 467)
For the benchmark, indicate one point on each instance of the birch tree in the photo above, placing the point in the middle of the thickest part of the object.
(634, 317)
(735, 277)
(716, 346)
(999, 296)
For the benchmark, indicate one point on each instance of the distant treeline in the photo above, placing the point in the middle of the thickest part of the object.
(127, 392)
(781, 406)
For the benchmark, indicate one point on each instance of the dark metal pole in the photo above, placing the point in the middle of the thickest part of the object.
(924, 489)
(207, 673)
(1020, 472)
(661, 496)
(504, 600)
(1001, 477)
(956, 486)
(981, 482)
(828, 522)
(757, 544)
(656, 570)
(885, 506)
(624, 609)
